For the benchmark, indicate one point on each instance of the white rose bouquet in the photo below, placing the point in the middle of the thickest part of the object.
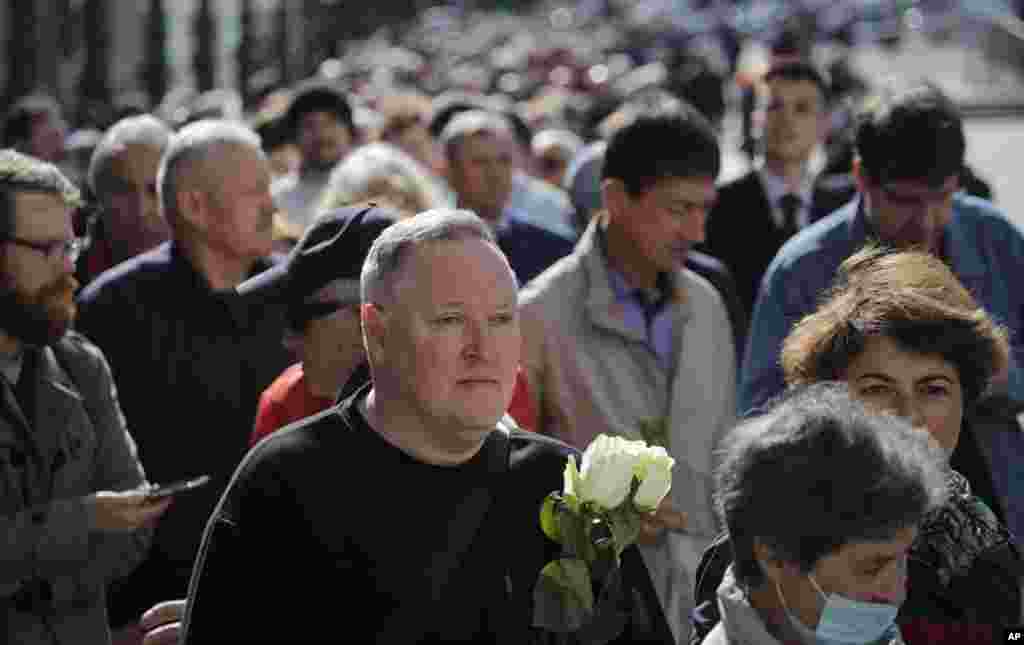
(595, 517)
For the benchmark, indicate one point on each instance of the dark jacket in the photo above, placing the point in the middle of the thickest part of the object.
(334, 528)
(530, 249)
(964, 574)
(190, 364)
(715, 272)
(53, 566)
(742, 234)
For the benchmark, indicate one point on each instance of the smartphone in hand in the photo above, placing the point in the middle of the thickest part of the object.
(167, 490)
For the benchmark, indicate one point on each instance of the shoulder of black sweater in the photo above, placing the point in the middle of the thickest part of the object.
(140, 269)
(741, 184)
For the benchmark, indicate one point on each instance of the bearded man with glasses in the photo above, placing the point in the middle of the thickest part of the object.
(73, 507)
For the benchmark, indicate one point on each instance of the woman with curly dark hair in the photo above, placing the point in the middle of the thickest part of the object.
(907, 338)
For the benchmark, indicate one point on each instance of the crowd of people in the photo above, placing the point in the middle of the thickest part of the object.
(443, 297)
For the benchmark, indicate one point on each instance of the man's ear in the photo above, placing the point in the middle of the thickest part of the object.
(372, 318)
(614, 196)
(192, 208)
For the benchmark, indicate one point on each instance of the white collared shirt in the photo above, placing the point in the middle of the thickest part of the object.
(775, 188)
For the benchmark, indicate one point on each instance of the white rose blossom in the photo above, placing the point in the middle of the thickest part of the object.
(608, 468)
(655, 477)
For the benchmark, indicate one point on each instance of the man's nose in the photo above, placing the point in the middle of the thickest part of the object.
(479, 340)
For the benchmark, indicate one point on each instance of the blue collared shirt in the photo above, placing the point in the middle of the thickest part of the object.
(659, 335)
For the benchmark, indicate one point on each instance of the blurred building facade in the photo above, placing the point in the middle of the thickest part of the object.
(94, 53)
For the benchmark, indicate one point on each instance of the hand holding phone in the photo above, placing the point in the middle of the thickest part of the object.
(167, 490)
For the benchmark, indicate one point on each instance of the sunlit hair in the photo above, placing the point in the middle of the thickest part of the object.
(386, 257)
(23, 173)
(817, 472)
(382, 173)
(565, 140)
(401, 111)
(471, 123)
(143, 129)
(194, 143)
(911, 297)
(913, 133)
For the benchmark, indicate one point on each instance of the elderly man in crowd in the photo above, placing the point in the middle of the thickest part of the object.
(122, 177)
(74, 515)
(479, 148)
(621, 338)
(411, 499)
(190, 355)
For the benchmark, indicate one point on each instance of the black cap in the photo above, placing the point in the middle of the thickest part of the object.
(332, 248)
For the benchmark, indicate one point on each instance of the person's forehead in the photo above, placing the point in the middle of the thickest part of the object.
(683, 189)
(790, 89)
(884, 355)
(41, 213)
(136, 160)
(316, 117)
(466, 266)
(485, 141)
(234, 161)
(866, 552)
(922, 186)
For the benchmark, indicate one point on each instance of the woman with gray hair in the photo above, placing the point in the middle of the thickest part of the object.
(829, 565)
(382, 173)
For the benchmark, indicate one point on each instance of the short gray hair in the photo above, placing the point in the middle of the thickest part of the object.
(196, 142)
(389, 250)
(353, 178)
(562, 139)
(470, 123)
(847, 475)
(142, 129)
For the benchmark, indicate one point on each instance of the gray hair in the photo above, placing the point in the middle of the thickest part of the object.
(142, 129)
(847, 475)
(193, 143)
(353, 179)
(387, 255)
(470, 123)
(562, 139)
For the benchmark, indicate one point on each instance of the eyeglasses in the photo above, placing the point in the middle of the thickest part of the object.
(55, 250)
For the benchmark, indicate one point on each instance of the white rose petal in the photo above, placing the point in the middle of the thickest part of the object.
(609, 465)
(570, 478)
(655, 474)
(654, 486)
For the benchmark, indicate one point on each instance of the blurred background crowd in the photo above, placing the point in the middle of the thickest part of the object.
(500, 107)
(554, 63)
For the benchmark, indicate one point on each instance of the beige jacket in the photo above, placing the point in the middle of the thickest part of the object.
(591, 374)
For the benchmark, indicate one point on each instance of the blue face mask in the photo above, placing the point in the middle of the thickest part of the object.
(846, 622)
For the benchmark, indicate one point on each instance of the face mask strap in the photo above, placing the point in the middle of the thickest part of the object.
(824, 596)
